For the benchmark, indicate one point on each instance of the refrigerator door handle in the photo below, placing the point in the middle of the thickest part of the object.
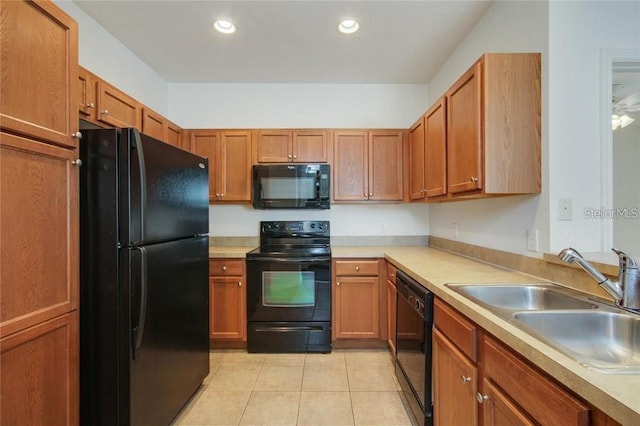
(137, 146)
(138, 331)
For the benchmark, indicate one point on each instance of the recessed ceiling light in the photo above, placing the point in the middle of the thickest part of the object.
(348, 26)
(224, 26)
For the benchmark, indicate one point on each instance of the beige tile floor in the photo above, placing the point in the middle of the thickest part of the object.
(345, 387)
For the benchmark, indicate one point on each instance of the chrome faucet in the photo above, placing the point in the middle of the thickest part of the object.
(625, 291)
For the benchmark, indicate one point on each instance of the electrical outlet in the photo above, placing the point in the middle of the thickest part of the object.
(532, 240)
(565, 209)
(382, 227)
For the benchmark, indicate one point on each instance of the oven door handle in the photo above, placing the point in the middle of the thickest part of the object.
(290, 259)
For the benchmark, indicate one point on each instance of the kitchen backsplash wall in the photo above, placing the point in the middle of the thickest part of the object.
(350, 220)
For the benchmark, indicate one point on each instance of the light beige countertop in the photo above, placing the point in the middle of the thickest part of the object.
(229, 252)
(618, 395)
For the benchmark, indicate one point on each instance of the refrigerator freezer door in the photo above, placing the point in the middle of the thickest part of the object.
(164, 191)
(169, 339)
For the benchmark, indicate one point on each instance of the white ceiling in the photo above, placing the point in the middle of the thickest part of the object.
(290, 41)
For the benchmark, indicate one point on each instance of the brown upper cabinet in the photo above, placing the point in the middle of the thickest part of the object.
(39, 72)
(116, 108)
(155, 125)
(297, 146)
(417, 161)
(229, 154)
(368, 165)
(435, 150)
(493, 127)
(86, 94)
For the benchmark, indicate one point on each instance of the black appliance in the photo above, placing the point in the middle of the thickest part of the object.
(144, 295)
(289, 288)
(291, 186)
(414, 322)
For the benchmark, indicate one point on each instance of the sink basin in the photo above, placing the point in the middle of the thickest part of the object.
(521, 297)
(606, 341)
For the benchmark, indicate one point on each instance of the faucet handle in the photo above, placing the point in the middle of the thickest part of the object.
(626, 261)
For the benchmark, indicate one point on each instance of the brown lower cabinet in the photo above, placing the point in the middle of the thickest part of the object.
(356, 299)
(478, 380)
(227, 300)
(39, 380)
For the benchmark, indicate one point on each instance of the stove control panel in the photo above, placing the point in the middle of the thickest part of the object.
(286, 227)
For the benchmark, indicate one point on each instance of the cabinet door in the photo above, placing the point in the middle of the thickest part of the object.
(498, 410)
(310, 146)
(350, 171)
(205, 143)
(357, 308)
(86, 94)
(39, 73)
(39, 232)
(274, 146)
(385, 166)
(435, 147)
(174, 135)
(417, 161)
(464, 137)
(234, 162)
(227, 300)
(454, 384)
(39, 380)
(153, 124)
(116, 108)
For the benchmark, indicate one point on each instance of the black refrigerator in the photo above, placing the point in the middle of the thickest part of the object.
(144, 292)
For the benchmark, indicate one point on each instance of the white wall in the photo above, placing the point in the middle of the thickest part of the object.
(300, 106)
(102, 54)
(578, 33)
(499, 223)
(297, 105)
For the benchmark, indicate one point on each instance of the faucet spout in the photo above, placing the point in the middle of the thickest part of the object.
(571, 255)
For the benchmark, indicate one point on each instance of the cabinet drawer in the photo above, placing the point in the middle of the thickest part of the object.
(527, 387)
(356, 267)
(458, 329)
(226, 267)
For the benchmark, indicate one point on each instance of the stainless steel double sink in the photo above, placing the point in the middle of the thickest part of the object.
(591, 332)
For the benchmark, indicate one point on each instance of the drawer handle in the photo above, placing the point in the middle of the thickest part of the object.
(357, 268)
(481, 398)
(465, 379)
(224, 268)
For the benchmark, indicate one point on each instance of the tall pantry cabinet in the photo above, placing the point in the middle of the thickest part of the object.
(38, 215)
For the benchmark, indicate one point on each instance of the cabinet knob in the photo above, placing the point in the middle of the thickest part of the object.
(105, 112)
(473, 179)
(371, 194)
(76, 135)
(481, 398)
(295, 156)
(392, 275)
(338, 284)
(224, 268)
(91, 105)
(77, 162)
(239, 283)
(218, 194)
(357, 268)
(465, 379)
(221, 195)
(289, 156)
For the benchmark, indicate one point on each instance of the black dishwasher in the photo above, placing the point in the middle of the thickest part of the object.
(414, 322)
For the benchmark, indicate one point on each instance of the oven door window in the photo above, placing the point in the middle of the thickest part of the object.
(288, 288)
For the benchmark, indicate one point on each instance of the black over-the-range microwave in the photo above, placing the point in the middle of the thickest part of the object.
(291, 186)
